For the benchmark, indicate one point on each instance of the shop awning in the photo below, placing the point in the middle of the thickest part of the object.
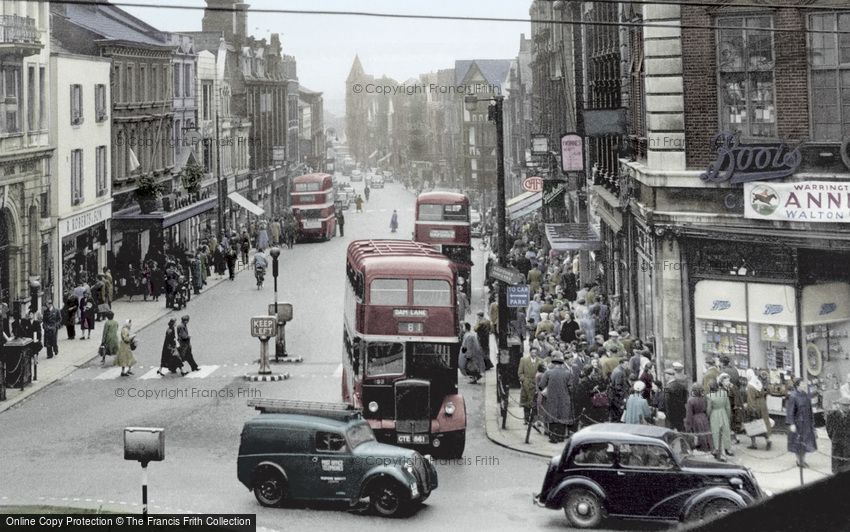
(133, 218)
(525, 203)
(572, 236)
(246, 204)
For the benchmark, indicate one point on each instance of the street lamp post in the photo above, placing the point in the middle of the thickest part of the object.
(279, 349)
(495, 114)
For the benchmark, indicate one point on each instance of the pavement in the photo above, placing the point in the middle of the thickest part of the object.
(76, 353)
(775, 470)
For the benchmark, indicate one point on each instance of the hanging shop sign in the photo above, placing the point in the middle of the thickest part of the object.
(539, 144)
(572, 153)
(554, 192)
(533, 184)
(808, 201)
(742, 163)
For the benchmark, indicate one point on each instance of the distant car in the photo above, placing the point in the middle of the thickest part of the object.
(356, 176)
(378, 181)
(388, 177)
(298, 450)
(641, 472)
(476, 228)
(343, 202)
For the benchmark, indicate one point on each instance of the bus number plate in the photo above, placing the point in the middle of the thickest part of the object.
(413, 438)
(312, 224)
(448, 234)
(410, 328)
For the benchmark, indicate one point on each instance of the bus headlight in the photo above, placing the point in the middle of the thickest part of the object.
(373, 406)
(450, 408)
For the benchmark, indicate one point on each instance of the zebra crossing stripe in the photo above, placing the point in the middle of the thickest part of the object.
(151, 374)
(111, 373)
(205, 371)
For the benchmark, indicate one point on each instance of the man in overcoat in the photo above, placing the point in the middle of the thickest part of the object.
(558, 406)
(675, 399)
(526, 372)
(838, 430)
(51, 320)
(801, 422)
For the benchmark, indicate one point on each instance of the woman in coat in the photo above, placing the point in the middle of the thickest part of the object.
(89, 311)
(696, 419)
(125, 357)
(170, 358)
(72, 305)
(558, 407)
(646, 377)
(526, 373)
(719, 414)
(801, 422)
(757, 406)
(109, 339)
(590, 384)
(637, 408)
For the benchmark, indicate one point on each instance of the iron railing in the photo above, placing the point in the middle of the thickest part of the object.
(18, 29)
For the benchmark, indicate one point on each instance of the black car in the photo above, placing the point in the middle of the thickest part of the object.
(641, 472)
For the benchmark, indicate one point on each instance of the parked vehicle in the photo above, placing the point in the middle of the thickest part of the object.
(388, 177)
(299, 450)
(356, 176)
(641, 472)
(343, 202)
(378, 181)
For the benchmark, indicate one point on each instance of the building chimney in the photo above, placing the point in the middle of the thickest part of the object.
(229, 17)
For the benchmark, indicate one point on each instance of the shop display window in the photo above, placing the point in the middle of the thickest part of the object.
(826, 329)
(726, 338)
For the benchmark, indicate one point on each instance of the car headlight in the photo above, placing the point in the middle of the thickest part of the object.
(373, 406)
(450, 408)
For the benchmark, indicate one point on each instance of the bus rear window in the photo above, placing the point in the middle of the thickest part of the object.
(388, 292)
(431, 293)
(443, 213)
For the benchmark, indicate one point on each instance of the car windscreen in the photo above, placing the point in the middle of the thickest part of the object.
(359, 434)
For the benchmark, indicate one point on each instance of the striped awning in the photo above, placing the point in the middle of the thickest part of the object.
(525, 203)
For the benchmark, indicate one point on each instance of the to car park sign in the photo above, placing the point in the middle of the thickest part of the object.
(263, 326)
(533, 184)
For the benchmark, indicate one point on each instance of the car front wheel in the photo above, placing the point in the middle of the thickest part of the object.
(270, 488)
(717, 508)
(583, 508)
(389, 499)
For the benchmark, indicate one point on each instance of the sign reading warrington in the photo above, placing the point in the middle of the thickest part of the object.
(742, 163)
(807, 201)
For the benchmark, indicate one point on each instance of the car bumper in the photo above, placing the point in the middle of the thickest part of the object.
(535, 499)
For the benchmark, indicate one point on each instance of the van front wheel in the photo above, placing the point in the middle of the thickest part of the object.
(270, 488)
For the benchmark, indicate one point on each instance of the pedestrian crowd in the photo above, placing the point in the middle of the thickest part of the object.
(580, 367)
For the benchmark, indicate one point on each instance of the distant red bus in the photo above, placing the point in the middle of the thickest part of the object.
(442, 220)
(401, 341)
(312, 200)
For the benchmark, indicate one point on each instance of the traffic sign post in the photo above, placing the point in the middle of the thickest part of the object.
(506, 275)
(518, 296)
(264, 328)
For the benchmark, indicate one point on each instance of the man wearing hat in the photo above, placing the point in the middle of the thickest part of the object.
(557, 405)
(838, 430)
(610, 361)
(545, 326)
(483, 329)
(675, 400)
(617, 391)
(613, 341)
(712, 373)
(679, 369)
(184, 340)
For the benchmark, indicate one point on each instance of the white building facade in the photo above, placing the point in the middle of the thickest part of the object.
(81, 195)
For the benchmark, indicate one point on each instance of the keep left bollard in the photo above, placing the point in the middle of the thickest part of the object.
(144, 444)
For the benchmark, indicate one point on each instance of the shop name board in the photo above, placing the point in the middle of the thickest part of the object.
(827, 308)
(771, 310)
(84, 220)
(410, 313)
(572, 153)
(720, 304)
(742, 163)
(810, 201)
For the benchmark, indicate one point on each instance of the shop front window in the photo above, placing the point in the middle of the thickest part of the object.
(745, 76)
(826, 326)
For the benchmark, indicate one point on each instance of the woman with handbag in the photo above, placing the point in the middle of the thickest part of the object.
(126, 344)
(88, 311)
(757, 407)
(170, 358)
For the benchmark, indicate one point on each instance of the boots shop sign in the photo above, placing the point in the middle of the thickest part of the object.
(742, 163)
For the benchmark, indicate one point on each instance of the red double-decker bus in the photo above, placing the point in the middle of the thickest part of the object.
(312, 200)
(442, 220)
(401, 342)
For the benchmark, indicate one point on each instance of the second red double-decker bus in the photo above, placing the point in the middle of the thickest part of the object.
(312, 200)
(442, 220)
(401, 344)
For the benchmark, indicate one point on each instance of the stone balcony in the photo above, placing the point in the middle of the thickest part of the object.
(19, 36)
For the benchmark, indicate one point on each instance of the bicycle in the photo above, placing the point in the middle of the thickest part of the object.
(484, 245)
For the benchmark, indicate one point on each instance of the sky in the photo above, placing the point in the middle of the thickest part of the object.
(324, 46)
